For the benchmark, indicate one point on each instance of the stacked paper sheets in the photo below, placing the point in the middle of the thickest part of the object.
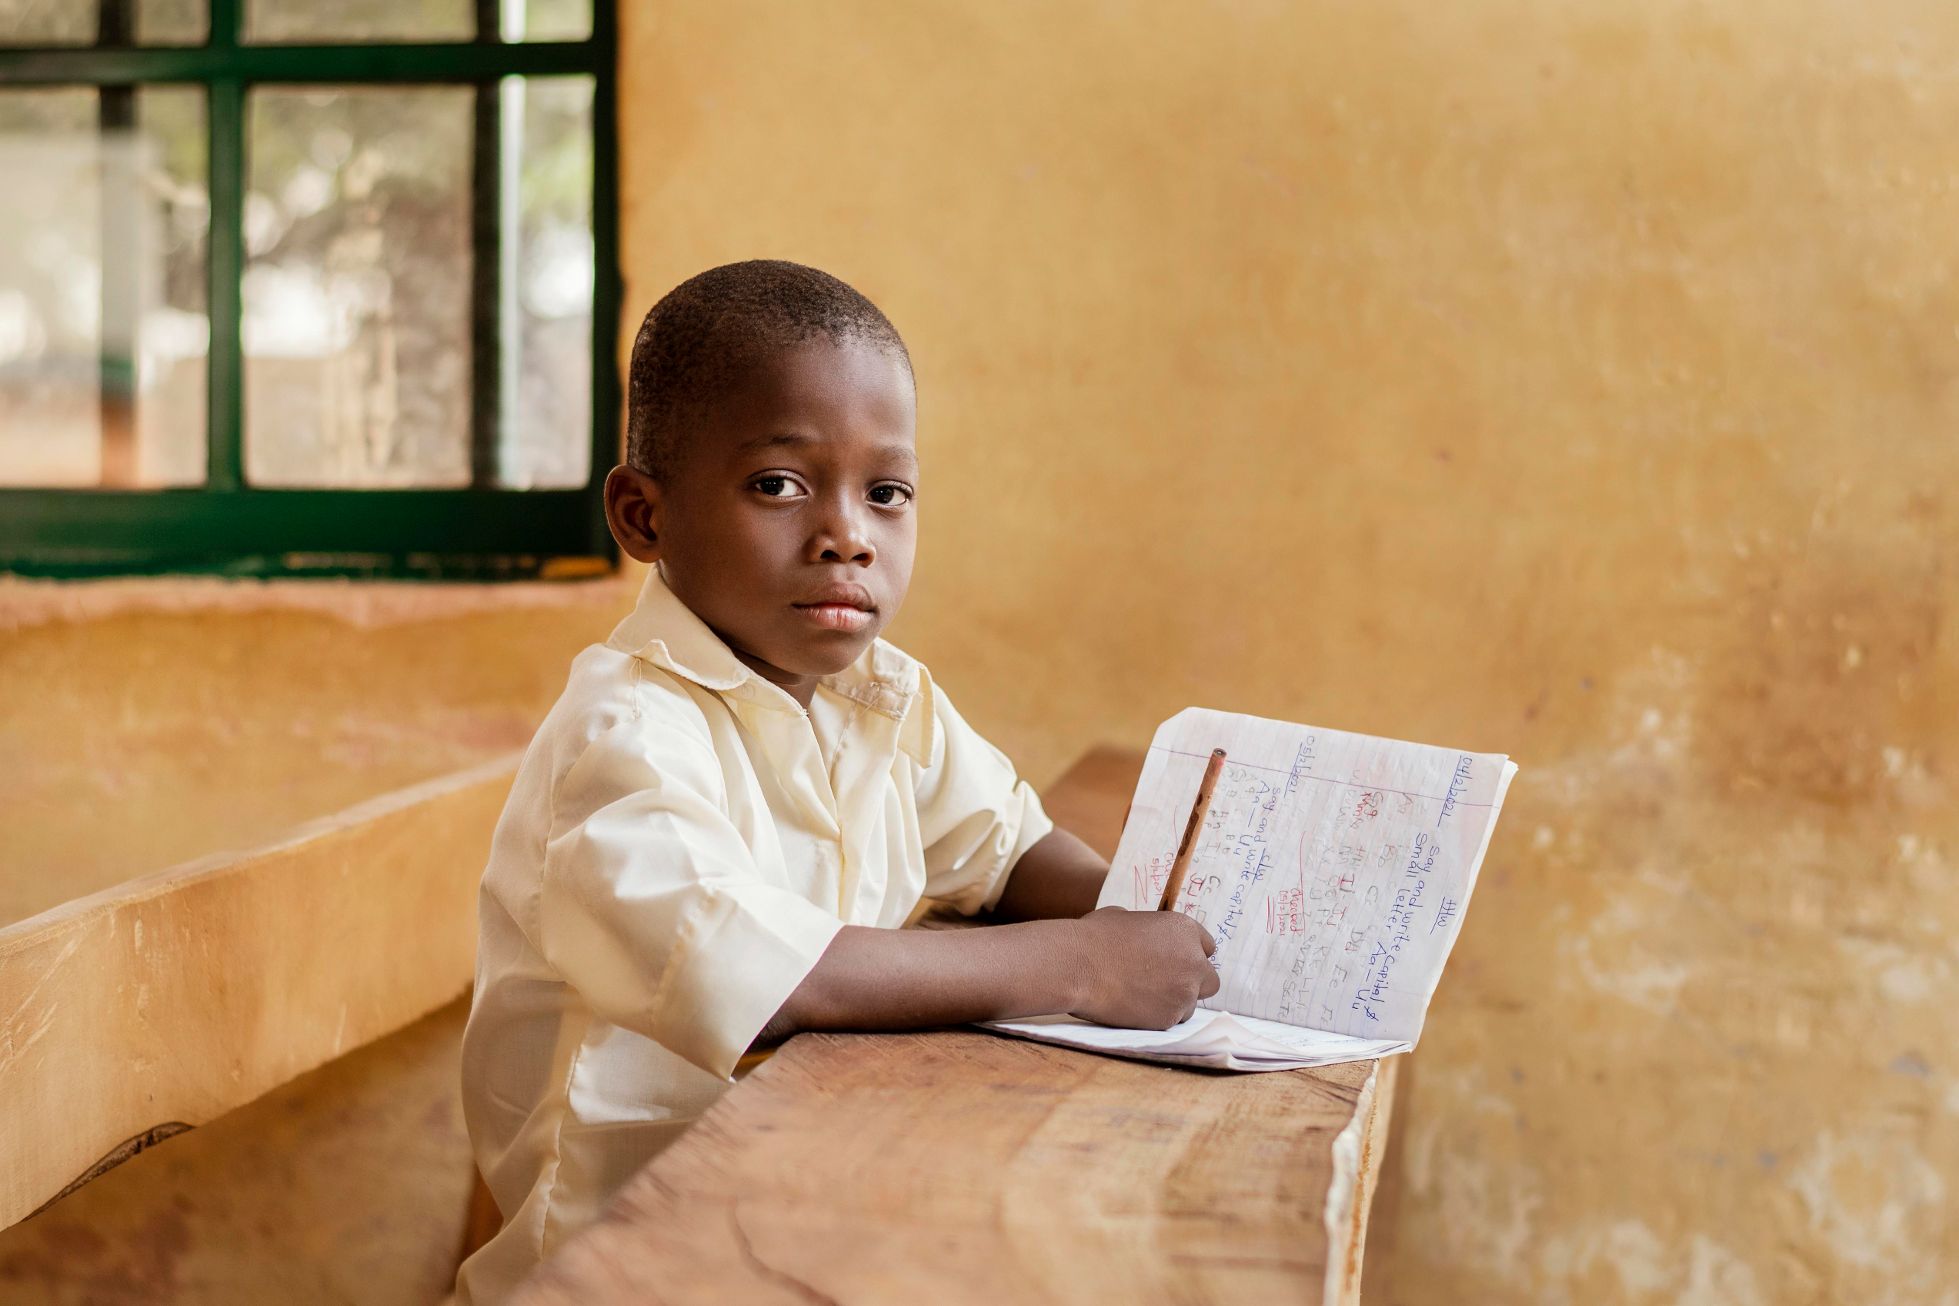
(1216, 1040)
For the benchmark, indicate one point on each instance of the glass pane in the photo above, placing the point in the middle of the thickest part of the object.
(357, 286)
(174, 336)
(359, 20)
(547, 422)
(171, 22)
(103, 330)
(81, 22)
(547, 20)
(47, 22)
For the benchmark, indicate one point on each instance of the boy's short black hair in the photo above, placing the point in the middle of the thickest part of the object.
(710, 329)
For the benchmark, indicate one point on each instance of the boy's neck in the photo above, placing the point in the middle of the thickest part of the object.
(800, 688)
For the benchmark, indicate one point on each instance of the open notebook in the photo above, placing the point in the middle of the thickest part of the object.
(1332, 869)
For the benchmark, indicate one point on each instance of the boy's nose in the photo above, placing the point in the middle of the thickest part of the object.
(843, 537)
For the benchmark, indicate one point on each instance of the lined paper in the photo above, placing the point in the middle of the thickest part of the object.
(1333, 869)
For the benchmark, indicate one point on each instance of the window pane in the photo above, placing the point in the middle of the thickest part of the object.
(171, 22)
(174, 336)
(357, 286)
(359, 20)
(79, 22)
(47, 22)
(547, 20)
(102, 359)
(50, 290)
(547, 422)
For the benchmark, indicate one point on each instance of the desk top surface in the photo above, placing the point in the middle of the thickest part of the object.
(955, 1165)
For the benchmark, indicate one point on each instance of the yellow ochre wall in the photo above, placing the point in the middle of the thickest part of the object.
(1574, 381)
(1571, 381)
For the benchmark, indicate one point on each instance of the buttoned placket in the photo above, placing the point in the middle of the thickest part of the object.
(864, 757)
(843, 795)
(787, 739)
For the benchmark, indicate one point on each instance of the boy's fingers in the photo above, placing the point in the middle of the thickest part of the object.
(1210, 944)
(1212, 983)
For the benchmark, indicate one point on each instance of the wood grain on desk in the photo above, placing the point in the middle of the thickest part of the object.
(960, 1166)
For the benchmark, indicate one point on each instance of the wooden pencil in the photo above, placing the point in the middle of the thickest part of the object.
(1181, 866)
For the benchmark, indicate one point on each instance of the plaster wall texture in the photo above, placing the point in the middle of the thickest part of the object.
(1572, 381)
(1577, 381)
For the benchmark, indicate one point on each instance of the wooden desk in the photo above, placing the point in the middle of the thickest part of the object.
(957, 1166)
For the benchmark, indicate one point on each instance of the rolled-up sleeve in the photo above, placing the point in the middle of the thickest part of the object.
(976, 816)
(652, 906)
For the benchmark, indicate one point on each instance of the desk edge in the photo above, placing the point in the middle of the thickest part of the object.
(1356, 1169)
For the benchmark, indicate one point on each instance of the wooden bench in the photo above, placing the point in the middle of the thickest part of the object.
(135, 1013)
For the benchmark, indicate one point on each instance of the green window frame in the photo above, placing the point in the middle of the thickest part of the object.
(231, 527)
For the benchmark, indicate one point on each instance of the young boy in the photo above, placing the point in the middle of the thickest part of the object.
(743, 791)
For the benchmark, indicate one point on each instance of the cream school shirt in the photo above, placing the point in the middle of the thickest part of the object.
(680, 845)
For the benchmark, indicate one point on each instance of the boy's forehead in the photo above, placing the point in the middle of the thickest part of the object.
(820, 394)
(807, 441)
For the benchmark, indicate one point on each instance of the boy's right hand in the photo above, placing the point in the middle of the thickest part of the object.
(1143, 969)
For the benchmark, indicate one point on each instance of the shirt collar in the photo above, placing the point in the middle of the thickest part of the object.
(884, 679)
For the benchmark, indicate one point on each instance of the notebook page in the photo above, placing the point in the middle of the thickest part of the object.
(1332, 868)
(1213, 1039)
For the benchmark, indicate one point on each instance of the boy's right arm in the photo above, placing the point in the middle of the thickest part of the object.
(1140, 970)
(649, 904)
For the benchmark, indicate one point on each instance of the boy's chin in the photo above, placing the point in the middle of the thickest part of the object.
(828, 657)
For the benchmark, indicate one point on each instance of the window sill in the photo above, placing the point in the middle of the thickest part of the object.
(27, 602)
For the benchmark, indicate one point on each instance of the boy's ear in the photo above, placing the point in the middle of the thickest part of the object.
(632, 510)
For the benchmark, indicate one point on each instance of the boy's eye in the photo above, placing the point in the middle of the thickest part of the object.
(890, 494)
(775, 487)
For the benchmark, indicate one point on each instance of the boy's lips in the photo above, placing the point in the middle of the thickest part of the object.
(836, 616)
(839, 607)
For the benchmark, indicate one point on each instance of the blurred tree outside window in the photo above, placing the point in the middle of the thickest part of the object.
(304, 287)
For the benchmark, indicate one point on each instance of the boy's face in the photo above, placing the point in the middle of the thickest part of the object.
(788, 523)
